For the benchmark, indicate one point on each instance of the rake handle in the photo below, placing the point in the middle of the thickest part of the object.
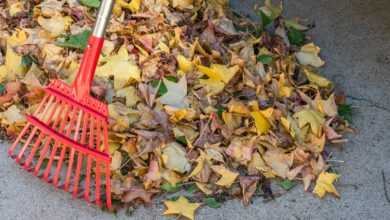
(86, 72)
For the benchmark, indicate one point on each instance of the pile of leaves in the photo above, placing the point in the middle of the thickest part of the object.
(203, 103)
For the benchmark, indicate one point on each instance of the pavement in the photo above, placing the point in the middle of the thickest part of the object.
(355, 39)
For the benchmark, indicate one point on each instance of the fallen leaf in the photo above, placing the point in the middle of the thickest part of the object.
(181, 207)
(137, 192)
(308, 55)
(174, 158)
(55, 25)
(261, 123)
(122, 67)
(12, 115)
(218, 77)
(325, 185)
(279, 161)
(227, 177)
(176, 93)
(312, 118)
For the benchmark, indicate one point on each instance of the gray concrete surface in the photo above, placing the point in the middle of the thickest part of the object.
(355, 39)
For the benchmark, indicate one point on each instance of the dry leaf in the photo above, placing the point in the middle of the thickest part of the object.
(181, 207)
(227, 177)
(325, 185)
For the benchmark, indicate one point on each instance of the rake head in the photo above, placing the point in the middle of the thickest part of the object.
(65, 142)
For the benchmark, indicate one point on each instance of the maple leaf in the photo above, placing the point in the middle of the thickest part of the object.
(308, 55)
(122, 67)
(176, 93)
(185, 65)
(181, 207)
(12, 115)
(312, 118)
(325, 185)
(218, 76)
(56, 25)
(227, 177)
(261, 123)
(316, 78)
(279, 161)
(174, 158)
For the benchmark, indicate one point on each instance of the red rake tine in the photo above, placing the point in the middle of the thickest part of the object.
(34, 131)
(80, 157)
(25, 129)
(41, 136)
(69, 122)
(47, 143)
(72, 153)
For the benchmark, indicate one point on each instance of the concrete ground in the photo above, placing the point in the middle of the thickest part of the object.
(355, 39)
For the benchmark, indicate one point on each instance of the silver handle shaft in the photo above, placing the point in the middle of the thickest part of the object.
(103, 18)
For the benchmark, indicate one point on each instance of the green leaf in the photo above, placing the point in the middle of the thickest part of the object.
(173, 198)
(220, 110)
(162, 89)
(192, 188)
(77, 41)
(27, 61)
(91, 3)
(2, 88)
(287, 184)
(182, 140)
(212, 203)
(345, 111)
(167, 187)
(296, 37)
(265, 19)
(265, 59)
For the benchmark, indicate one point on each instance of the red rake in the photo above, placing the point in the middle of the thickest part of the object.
(65, 141)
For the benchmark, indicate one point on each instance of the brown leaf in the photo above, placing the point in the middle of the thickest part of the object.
(248, 185)
(137, 192)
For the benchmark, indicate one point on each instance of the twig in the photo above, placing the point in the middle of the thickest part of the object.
(385, 187)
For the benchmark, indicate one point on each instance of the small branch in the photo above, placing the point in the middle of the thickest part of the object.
(385, 187)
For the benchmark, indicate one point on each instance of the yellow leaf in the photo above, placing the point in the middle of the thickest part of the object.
(279, 161)
(3, 73)
(16, 8)
(130, 93)
(308, 55)
(315, 78)
(13, 64)
(181, 207)
(12, 60)
(185, 65)
(325, 185)
(203, 187)
(237, 107)
(312, 118)
(134, 6)
(182, 4)
(12, 115)
(162, 46)
(227, 177)
(200, 164)
(116, 161)
(285, 90)
(219, 76)
(174, 158)
(258, 163)
(122, 67)
(328, 107)
(56, 25)
(261, 122)
(170, 176)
